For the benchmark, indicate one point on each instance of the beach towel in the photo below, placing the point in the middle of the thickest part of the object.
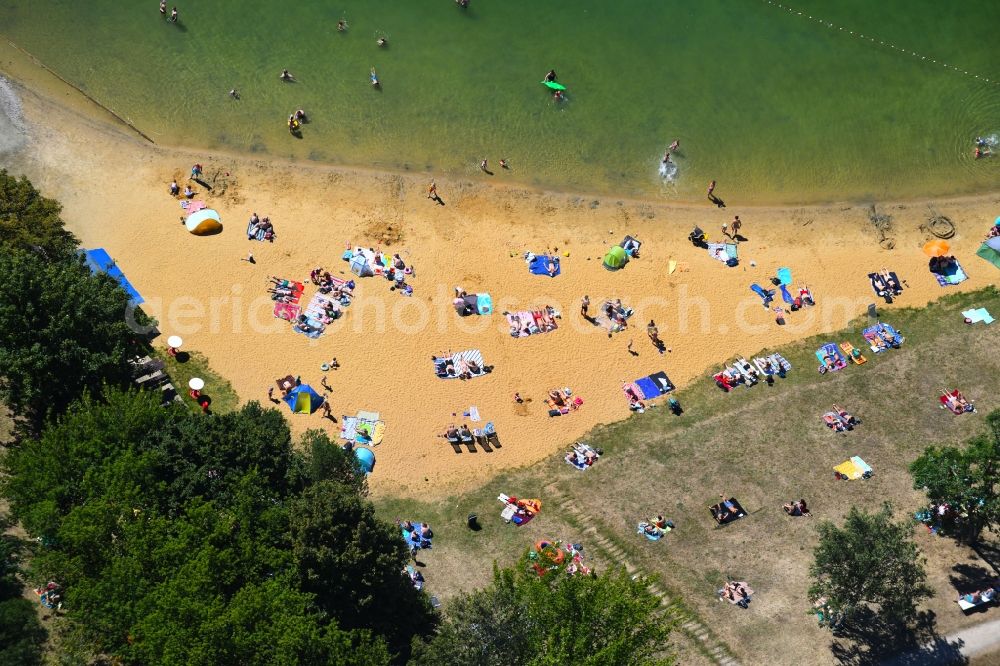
(362, 431)
(880, 287)
(655, 535)
(893, 333)
(539, 265)
(727, 515)
(311, 328)
(784, 276)
(474, 414)
(777, 362)
(830, 350)
(718, 251)
(286, 311)
(484, 304)
(662, 382)
(855, 468)
(978, 315)
(954, 276)
(648, 388)
(732, 250)
(785, 296)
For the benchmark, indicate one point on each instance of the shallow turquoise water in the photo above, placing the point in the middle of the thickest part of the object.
(775, 106)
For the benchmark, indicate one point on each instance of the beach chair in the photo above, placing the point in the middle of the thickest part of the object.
(470, 442)
(481, 440)
(455, 443)
(853, 353)
(489, 430)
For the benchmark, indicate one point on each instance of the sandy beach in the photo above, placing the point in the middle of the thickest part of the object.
(113, 186)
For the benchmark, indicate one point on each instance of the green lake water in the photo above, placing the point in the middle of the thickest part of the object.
(775, 106)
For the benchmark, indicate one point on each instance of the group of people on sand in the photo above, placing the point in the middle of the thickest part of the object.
(458, 433)
(546, 322)
(337, 290)
(281, 291)
(464, 369)
(257, 225)
(175, 190)
(658, 526)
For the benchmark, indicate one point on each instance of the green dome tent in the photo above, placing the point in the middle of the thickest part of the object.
(615, 258)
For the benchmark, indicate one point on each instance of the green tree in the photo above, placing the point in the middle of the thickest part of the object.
(21, 635)
(29, 221)
(353, 563)
(869, 566)
(967, 480)
(182, 539)
(524, 619)
(63, 332)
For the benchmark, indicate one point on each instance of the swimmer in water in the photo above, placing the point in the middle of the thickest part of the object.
(381, 41)
(173, 15)
(300, 115)
(504, 164)
(341, 25)
(674, 146)
(286, 75)
(234, 93)
(374, 78)
(163, 8)
(666, 157)
(558, 96)
(981, 142)
(551, 76)
(485, 166)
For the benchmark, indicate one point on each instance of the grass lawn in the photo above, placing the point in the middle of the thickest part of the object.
(186, 365)
(765, 446)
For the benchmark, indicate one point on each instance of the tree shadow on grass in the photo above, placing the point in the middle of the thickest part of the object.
(868, 640)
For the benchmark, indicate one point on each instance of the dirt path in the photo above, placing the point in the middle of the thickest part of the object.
(953, 648)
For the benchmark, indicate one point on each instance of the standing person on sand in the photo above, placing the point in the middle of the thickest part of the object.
(711, 189)
(584, 305)
(654, 336)
(485, 166)
(737, 224)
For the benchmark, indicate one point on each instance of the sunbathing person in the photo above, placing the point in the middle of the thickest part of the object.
(725, 509)
(652, 530)
(464, 432)
(546, 320)
(473, 368)
(451, 432)
(844, 416)
(557, 398)
(806, 296)
(957, 403)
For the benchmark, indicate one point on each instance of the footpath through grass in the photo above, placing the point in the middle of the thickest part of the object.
(765, 446)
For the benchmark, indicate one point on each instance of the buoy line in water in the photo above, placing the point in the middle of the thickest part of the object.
(875, 40)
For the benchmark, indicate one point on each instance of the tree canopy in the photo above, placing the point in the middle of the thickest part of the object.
(21, 635)
(184, 539)
(29, 221)
(869, 564)
(522, 618)
(63, 331)
(965, 481)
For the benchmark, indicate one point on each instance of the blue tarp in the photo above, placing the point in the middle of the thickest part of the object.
(539, 265)
(100, 262)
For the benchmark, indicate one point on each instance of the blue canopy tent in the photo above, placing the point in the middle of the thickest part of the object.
(99, 262)
(366, 459)
(303, 399)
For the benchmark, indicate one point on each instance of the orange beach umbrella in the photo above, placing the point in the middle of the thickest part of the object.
(936, 248)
